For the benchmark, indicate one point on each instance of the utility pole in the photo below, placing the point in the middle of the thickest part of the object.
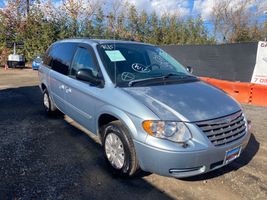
(28, 7)
(265, 13)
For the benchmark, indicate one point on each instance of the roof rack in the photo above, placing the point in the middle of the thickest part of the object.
(106, 38)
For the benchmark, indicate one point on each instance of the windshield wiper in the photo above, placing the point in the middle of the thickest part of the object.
(179, 76)
(131, 83)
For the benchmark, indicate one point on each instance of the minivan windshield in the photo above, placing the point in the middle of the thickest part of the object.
(131, 64)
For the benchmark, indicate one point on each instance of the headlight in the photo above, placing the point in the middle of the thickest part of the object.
(174, 131)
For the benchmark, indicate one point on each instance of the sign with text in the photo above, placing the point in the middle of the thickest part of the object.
(260, 71)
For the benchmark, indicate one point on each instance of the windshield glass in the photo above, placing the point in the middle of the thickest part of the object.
(126, 63)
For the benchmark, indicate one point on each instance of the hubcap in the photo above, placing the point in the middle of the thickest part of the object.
(114, 150)
(46, 101)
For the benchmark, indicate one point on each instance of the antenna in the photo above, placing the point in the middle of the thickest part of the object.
(14, 48)
(114, 47)
(115, 64)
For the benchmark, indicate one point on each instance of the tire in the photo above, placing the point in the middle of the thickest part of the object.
(119, 150)
(49, 108)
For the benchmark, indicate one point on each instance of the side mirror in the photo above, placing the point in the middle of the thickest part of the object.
(189, 69)
(87, 75)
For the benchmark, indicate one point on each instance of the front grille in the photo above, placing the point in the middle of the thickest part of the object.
(224, 130)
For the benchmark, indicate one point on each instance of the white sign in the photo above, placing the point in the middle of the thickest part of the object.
(260, 71)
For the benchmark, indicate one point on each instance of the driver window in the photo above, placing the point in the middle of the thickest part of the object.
(83, 60)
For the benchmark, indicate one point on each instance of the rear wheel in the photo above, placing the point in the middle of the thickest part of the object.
(49, 108)
(119, 149)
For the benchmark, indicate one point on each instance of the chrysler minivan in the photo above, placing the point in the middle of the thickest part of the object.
(148, 111)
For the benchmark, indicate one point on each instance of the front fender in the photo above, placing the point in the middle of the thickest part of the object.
(119, 114)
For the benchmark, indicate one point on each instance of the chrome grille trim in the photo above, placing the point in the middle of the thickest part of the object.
(224, 130)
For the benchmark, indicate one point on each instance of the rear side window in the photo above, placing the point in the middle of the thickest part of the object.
(61, 54)
(47, 57)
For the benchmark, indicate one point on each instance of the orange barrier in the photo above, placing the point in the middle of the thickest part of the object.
(259, 95)
(248, 93)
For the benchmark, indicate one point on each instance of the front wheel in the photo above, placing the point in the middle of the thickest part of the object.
(119, 149)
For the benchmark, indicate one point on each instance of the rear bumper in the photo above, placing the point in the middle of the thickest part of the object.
(184, 163)
(20, 64)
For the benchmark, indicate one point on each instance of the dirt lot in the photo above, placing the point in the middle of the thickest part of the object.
(52, 158)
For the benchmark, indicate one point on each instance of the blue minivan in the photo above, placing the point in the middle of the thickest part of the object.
(148, 111)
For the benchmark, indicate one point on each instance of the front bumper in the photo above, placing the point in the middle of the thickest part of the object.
(35, 67)
(184, 163)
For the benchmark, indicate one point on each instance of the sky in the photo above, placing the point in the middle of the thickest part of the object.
(1, 3)
(183, 8)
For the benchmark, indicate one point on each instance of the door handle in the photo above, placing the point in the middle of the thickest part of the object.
(61, 87)
(68, 90)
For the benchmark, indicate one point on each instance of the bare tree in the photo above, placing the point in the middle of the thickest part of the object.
(116, 15)
(10, 18)
(76, 12)
(235, 20)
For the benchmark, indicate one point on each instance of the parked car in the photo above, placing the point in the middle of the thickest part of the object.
(15, 60)
(36, 62)
(148, 111)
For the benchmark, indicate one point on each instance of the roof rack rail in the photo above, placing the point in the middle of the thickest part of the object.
(105, 37)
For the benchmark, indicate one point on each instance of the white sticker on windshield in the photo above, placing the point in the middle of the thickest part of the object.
(115, 56)
(107, 46)
(141, 68)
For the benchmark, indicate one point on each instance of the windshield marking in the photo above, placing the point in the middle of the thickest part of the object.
(107, 47)
(127, 76)
(141, 68)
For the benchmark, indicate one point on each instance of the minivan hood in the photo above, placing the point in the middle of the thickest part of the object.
(195, 101)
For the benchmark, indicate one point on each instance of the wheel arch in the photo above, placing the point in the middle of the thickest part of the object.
(43, 87)
(109, 114)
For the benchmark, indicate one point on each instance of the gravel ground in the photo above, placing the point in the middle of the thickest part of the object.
(54, 158)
